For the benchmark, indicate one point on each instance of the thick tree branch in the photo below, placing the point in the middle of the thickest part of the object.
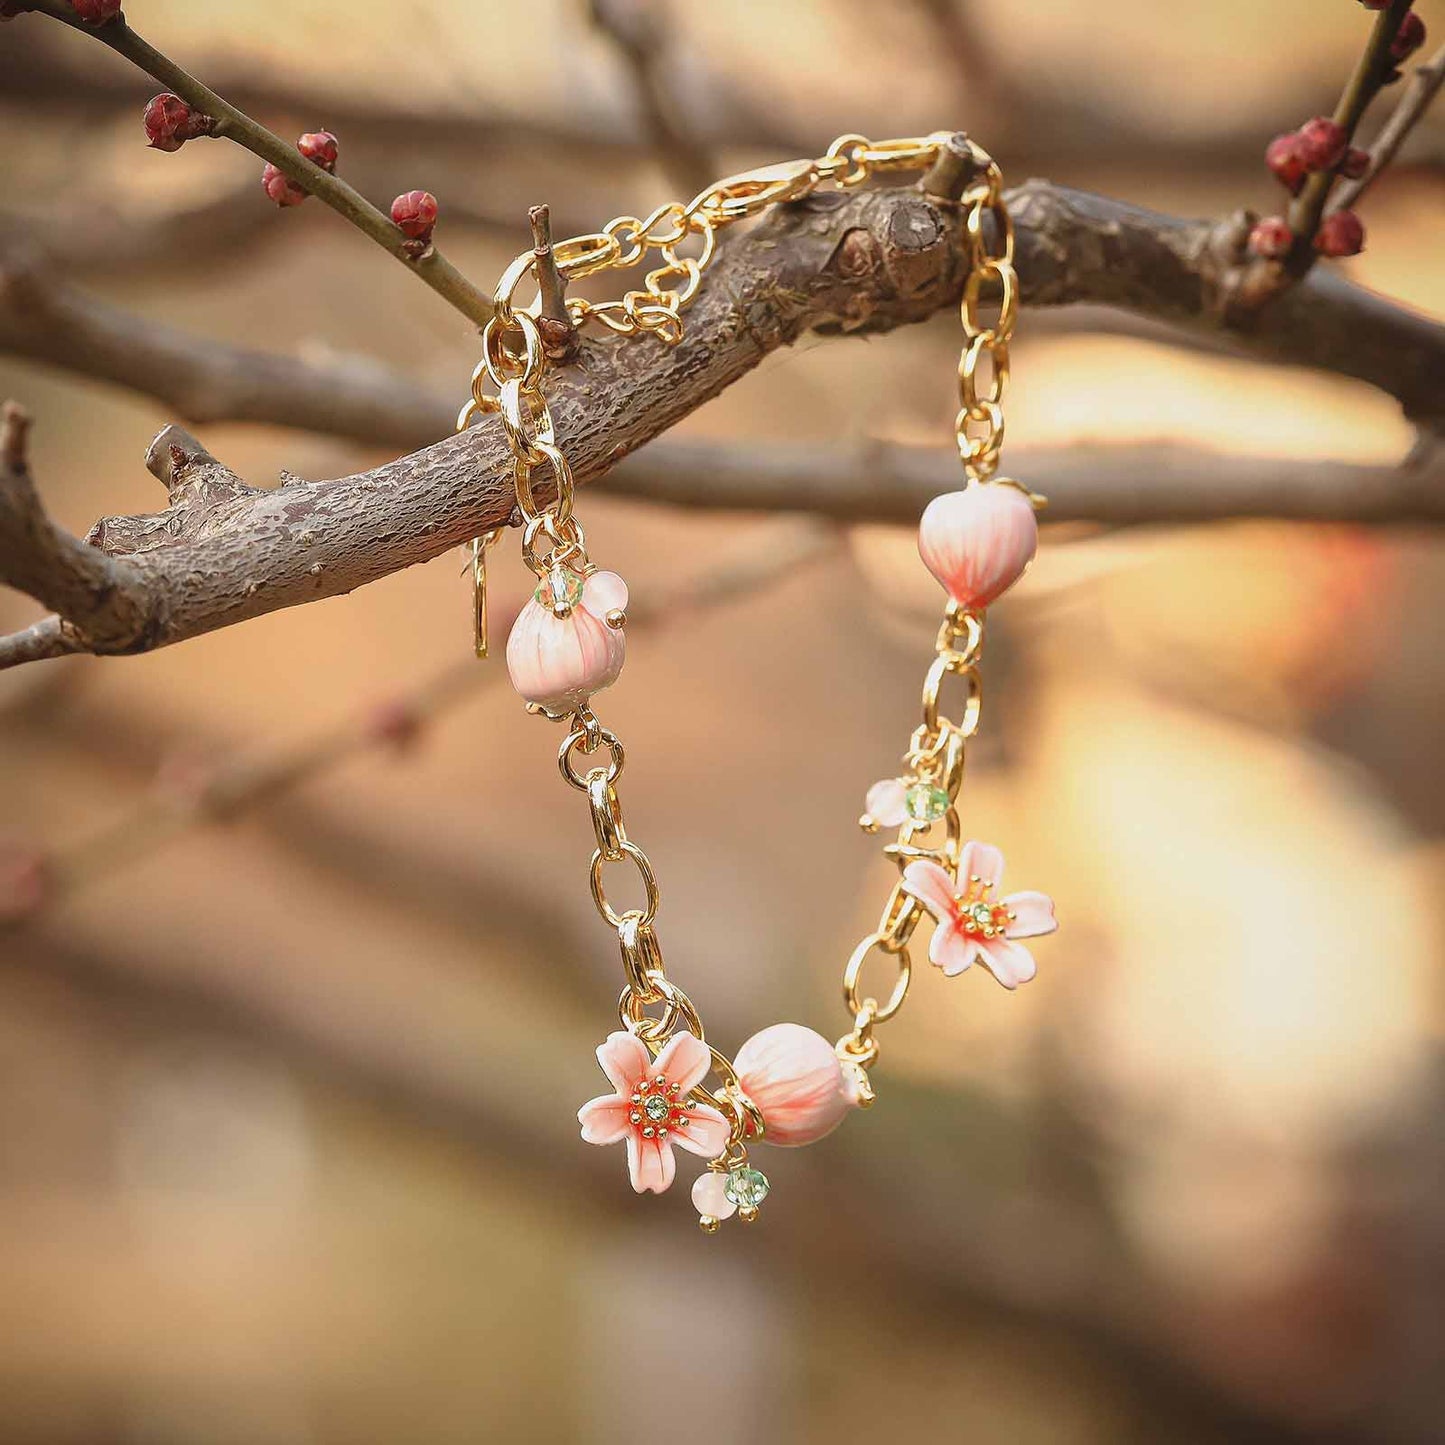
(836, 263)
(103, 595)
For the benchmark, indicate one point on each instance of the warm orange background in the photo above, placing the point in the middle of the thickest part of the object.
(286, 1140)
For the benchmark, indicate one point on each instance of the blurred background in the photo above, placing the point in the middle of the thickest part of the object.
(287, 1139)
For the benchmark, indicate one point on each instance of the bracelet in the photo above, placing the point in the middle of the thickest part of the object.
(787, 1084)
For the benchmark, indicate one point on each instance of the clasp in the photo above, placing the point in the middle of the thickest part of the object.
(750, 192)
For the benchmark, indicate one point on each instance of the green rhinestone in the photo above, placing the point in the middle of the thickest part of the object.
(747, 1188)
(925, 802)
(656, 1107)
(561, 585)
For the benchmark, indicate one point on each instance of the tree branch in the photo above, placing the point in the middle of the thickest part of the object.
(103, 595)
(1118, 486)
(234, 124)
(1420, 90)
(836, 263)
(1361, 88)
(242, 782)
(638, 31)
(44, 320)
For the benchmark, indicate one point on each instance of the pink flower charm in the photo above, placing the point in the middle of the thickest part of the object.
(649, 1107)
(793, 1075)
(978, 542)
(971, 924)
(559, 662)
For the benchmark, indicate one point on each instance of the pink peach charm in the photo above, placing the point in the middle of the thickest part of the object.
(558, 662)
(795, 1079)
(978, 542)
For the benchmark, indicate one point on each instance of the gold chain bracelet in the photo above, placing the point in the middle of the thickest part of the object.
(787, 1085)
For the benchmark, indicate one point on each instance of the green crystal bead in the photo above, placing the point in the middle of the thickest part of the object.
(561, 585)
(925, 802)
(747, 1188)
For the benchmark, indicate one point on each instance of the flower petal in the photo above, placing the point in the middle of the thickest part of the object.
(887, 803)
(1010, 963)
(980, 860)
(624, 1060)
(951, 949)
(1033, 915)
(930, 884)
(685, 1060)
(703, 1131)
(605, 1120)
(650, 1163)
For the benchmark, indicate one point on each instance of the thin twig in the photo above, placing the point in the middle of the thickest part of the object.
(236, 125)
(637, 28)
(1420, 90)
(559, 335)
(244, 782)
(1370, 73)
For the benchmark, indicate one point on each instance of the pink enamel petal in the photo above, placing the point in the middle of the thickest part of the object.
(952, 950)
(624, 1059)
(930, 884)
(685, 1060)
(703, 1131)
(1010, 963)
(650, 1163)
(605, 1120)
(1033, 914)
(887, 803)
(980, 860)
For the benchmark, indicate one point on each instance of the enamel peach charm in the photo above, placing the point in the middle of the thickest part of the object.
(979, 541)
(793, 1076)
(567, 642)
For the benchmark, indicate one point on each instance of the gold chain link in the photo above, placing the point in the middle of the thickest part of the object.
(508, 381)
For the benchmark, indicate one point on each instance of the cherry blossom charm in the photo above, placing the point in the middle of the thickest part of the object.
(649, 1108)
(795, 1078)
(972, 924)
(978, 542)
(567, 642)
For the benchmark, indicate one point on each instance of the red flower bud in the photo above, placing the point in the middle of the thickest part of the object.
(1281, 155)
(96, 12)
(280, 187)
(395, 721)
(1321, 143)
(24, 876)
(1408, 38)
(1355, 163)
(319, 146)
(416, 214)
(1341, 234)
(1271, 238)
(170, 122)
